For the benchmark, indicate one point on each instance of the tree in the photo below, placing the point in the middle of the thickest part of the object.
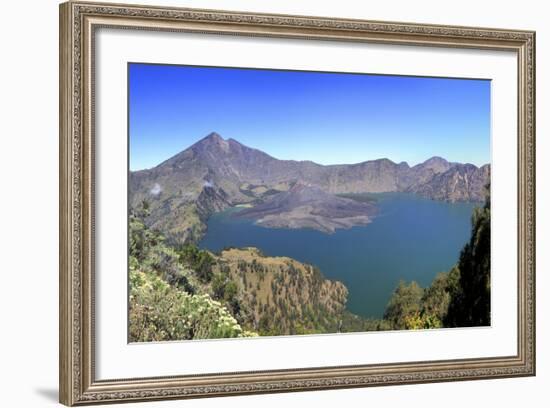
(230, 291)
(145, 210)
(199, 260)
(218, 286)
(471, 298)
(404, 302)
(436, 298)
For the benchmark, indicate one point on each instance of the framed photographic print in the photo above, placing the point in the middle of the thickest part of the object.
(258, 203)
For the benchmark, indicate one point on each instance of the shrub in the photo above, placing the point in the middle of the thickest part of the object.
(161, 312)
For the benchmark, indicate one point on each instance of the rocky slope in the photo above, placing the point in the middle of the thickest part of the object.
(309, 207)
(460, 182)
(215, 173)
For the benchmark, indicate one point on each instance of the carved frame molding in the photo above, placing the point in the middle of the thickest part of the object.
(78, 21)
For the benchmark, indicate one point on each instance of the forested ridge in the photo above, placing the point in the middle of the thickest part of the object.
(184, 292)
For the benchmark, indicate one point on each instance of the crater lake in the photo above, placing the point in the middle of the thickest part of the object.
(410, 238)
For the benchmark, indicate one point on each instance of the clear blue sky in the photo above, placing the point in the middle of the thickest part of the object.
(329, 118)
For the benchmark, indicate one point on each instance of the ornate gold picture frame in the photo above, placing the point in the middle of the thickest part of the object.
(79, 22)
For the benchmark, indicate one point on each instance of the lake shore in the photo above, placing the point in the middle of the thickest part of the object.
(404, 241)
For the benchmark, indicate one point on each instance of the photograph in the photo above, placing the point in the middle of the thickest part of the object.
(266, 202)
(283, 200)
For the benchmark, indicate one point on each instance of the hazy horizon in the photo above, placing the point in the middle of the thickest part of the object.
(322, 164)
(327, 118)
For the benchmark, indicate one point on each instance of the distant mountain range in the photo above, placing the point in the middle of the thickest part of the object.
(214, 174)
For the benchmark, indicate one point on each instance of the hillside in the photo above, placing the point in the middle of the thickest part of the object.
(282, 295)
(186, 293)
(461, 182)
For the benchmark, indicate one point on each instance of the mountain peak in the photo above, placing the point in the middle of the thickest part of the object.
(214, 136)
(212, 141)
(435, 159)
(436, 164)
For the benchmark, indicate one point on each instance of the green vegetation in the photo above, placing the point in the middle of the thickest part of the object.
(278, 295)
(458, 298)
(471, 296)
(169, 299)
(404, 303)
(188, 293)
(199, 261)
(412, 307)
(159, 311)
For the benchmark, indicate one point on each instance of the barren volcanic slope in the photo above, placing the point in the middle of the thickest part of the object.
(215, 174)
(309, 207)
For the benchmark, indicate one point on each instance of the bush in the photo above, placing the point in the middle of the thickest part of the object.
(404, 302)
(199, 260)
(419, 320)
(471, 295)
(160, 312)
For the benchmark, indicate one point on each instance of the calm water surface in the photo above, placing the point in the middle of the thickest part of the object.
(412, 238)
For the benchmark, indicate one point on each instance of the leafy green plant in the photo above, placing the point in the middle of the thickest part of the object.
(404, 302)
(420, 320)
(159, 312)
(471, 296)
(199, 260)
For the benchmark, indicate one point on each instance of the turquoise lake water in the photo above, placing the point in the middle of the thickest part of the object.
(411, 238)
